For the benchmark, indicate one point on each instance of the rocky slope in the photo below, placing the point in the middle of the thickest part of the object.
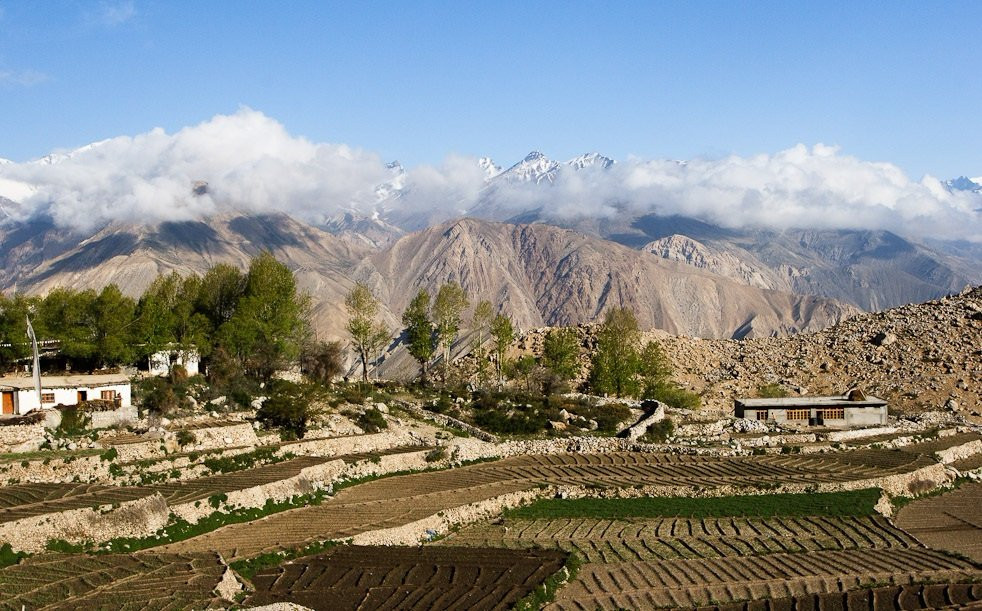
(921, 357)
(541, 274)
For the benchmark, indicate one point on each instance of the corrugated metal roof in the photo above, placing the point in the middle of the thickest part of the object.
(793, 402)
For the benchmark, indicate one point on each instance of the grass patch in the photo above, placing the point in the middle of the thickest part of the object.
(8, 556)
(850, 503)
(545, 592)
(248, 568)
(238, 462)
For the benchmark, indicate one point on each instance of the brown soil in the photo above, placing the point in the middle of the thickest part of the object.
(891, 598)
(608, 541)
(951, 521)
(399, 500)
(113, 581)
(353, 577)
(693, 583)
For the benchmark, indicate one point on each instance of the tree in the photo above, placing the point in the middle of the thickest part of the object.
(288, 408)
(560, 351)
(113, 316)
(481, 322)
(271, 319)
(368, 335)
(155, 314)
(219, 294)
(525, 368)
(420, 336)
(448, 308)
(68, 316)
(653, 368)
(13, 327)
(503, 334)
(323, 361)
(615, 362)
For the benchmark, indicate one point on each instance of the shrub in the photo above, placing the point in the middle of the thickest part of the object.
(157, 395)
(436, 454)
(673, 395)
(771, 391)
(322, 361)
(185, 438)
(371, 421)
(74, 421)
(659, 432)
(288, 408)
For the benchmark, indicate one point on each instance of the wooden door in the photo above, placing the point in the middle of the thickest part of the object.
(8, 402)
(82, 396)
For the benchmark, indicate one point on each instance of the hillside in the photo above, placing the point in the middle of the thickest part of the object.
(918, 357)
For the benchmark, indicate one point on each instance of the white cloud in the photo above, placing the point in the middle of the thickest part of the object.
(252, 164)
(22, 78)
(112, 14)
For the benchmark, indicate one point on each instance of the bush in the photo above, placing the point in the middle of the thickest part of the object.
(659, 432)
(287, 408)
(74, 422)
(157, 395)
(323, 361)
(185, 438)
(371, 421)
(673, 395)
(436, 454)
(771, 391)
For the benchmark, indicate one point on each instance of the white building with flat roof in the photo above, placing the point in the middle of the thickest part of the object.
(18, 395)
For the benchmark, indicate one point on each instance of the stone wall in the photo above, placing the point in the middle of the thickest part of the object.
(444, 420)
(354, 444)
(639, 428)
(56, 470)
(21, 437)
(121, 416)
(959, 452)
(860, 433)
(139, 518)
(224, 436)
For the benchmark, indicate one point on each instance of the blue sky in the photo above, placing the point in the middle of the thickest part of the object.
(416, 81)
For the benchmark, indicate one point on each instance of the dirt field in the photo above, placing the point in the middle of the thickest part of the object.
(117, 581)
(888, 598)
(697, 582)
(606, 541)
(396, 501)
(26, 500)
(951, 521)
(353, 577)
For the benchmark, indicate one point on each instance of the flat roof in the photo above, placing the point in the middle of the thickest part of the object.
(793, 402)
(25, 382)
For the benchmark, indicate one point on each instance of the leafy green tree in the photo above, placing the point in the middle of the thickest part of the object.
(448, 309)
(616, 361)
(481, 323)
(271, 320)
(14, 311)
(653, 368)
(503, 334)
(155, 311)
(525, 368)
(219, 293)
(68, 316)
(288, 408)
(113, 317)
(560, 352)
(368, 335)
(420, 334)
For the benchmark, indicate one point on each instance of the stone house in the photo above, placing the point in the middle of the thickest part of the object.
(160, 363)
(18, 395)
(853, 409)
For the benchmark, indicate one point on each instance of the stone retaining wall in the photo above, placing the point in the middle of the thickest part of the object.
(21, 437)
(444, 420)
(139, 518)
(860, 433)
(120, 416)
(964, 450)
(639, 428)
(354, 444)
(228, 436)
(56, 470)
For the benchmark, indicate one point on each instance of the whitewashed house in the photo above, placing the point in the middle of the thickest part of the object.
(18, 395)
(161, 362)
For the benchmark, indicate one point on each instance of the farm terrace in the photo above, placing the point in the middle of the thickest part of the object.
(853, 409)
(19, 397)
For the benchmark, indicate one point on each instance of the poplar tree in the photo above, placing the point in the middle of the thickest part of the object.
(420, 335)
(368, 335)
(448, 309)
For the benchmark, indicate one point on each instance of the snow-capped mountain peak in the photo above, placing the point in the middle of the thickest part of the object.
(535, 168)
(590, 160)
(490, 168)
(964, 183)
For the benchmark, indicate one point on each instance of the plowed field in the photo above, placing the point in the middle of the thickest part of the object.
(352, 577)
(399, 500)
(951, 521)
(22, 501)
(118, 581)
(606, 541)
(696, 582)
(889, 598)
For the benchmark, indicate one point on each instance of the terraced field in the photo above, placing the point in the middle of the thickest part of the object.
(951, 521)
(396, 501)
(696, 582)
(942, 443)
(606, 541)
(887, 598)
(352, 577)
(26, 500)
(119, 581)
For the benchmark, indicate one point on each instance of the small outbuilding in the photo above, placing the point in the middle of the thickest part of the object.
(161, 363)
(853, 409)
(19, 396)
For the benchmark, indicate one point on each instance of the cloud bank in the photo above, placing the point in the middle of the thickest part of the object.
(251, 164)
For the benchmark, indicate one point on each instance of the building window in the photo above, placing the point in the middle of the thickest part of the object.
(108, 395)
(835, 413)
(47, 397)
(798, 414)
(762, 414)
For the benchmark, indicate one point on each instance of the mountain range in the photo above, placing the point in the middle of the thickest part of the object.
(543, 266)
